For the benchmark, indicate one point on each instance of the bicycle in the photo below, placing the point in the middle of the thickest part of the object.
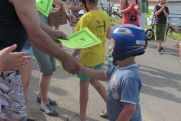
(169, 30)
(110, 9)
(172, 27)
(150, 31)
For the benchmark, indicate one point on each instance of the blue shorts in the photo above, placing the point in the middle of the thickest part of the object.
(28, 50)
(88, 78)
(46, 62)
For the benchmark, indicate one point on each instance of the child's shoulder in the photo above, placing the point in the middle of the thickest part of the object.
(130, 70)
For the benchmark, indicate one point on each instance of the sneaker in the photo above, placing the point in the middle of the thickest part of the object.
(162, 50)
(48, 109)
(159, 51)
(103, 114)
(51, 102)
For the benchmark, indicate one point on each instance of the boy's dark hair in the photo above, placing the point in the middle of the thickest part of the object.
(90, 1)
(95, 2)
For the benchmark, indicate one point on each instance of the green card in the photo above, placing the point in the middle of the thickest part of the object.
(82, 39)
(44, 6)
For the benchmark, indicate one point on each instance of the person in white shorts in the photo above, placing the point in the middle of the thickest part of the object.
(144, 9)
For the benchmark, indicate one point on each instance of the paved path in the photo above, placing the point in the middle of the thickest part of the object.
(160, 97)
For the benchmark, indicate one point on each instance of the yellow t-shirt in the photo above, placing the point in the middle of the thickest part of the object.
(98, 22)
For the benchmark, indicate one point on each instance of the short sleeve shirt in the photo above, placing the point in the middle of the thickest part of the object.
(124, 87)
(161, 18)
(98, 22)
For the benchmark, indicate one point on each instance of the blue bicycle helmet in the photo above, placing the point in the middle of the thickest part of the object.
(130, 40)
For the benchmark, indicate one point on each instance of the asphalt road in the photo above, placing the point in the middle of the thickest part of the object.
(160, 96)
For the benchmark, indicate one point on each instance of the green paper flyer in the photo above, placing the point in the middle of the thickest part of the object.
(82, 39)
(44, 6)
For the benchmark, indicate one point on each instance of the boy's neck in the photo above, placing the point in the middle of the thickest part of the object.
(126, 62)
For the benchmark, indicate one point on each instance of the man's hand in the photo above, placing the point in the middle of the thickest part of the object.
(70, 64)
(163, 6)
(10, 61)
(71, 18)
(55, 35)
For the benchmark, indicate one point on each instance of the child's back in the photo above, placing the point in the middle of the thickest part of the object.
(99, 24)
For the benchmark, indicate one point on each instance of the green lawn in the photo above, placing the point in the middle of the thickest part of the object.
(176, 36)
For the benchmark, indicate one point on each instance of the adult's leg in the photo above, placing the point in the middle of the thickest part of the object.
(43, 87)
(162, 35)
(47, 67)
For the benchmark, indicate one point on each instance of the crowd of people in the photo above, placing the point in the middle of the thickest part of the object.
(20, 22)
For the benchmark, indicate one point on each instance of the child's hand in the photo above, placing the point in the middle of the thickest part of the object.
(56, 34)
(10, 60)
(131, 5)
(71, 18)
(136, 7)
(81, 69)
(75, 53)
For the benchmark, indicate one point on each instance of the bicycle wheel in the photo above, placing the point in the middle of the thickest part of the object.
(169, 31)
(149, 34)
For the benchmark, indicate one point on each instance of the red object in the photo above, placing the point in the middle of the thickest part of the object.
(132, 12)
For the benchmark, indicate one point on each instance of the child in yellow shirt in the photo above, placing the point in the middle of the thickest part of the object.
(93, 57)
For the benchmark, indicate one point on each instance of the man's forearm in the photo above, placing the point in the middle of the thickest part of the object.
(46, 28)
(165, 13)
(158, 12)
(44, 42)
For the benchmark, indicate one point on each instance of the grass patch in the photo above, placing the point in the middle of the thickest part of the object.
(176, 36)
(115, 21)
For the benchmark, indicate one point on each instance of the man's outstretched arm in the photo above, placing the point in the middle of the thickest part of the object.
(28, 15)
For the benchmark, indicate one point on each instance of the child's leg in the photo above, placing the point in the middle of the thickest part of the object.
(100, 89)
(25, 72)
(83, 98)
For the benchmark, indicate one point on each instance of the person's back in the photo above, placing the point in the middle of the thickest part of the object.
(98, 22)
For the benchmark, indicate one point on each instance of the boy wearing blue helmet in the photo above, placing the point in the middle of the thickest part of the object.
(124, 77)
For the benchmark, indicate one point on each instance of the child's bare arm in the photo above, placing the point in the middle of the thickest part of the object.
(127, 112)
(96, 74)
(75, 53)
